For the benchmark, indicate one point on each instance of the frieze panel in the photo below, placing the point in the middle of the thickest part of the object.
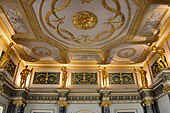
(84, 78)
(121, 78)
(131, 97)
(42, 97)
(10, 68)
(75, 98)
(158, 66)
(46, 78)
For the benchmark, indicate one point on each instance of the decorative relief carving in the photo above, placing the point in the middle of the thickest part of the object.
(10, 68)
(85, 20)
(46, 78)
(85, 57)
(126, 52)
(41, 51)
(121, 78)
(14, 18)
(153, 21)
(84, 78)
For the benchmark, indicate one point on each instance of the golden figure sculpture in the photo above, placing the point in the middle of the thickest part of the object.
(104, 76)
(6, 57)
(161, 61)
(25, 72)
(143, 78)
(64, 77)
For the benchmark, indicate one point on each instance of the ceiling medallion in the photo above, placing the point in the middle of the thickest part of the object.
(126, 52)
(85, 20)
(41, 51)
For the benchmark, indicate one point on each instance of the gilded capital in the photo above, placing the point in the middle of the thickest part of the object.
(18, 102)
(106, 103)
(62, 103)
(147, 102)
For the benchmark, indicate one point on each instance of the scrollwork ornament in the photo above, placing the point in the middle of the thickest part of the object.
(115, 22)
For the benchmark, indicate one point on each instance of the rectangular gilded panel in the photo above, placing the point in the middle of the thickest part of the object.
(46, 78)
(84, 78)
(121, 78)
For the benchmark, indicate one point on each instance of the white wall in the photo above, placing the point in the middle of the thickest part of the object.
(30, 107)
(164, 104)
(4, 103)
(132, 106)
(73, 108)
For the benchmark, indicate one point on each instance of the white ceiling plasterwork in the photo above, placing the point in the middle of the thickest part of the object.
(100, 31)
(57, 21)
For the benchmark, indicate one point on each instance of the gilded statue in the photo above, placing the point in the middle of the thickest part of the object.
(25, 72)
(162, 60)
(6, 56)
(104, 76)
(143, 78)
(64, 77)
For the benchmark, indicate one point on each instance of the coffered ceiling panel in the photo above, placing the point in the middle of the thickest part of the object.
(128, 53)
(36, 51)
(78, 23)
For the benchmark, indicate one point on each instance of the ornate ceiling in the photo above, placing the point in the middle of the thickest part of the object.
(99, 31)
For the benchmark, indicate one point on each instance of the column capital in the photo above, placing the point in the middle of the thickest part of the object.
(18, 102)
(106, 103)
(62, 103)
(147, 102)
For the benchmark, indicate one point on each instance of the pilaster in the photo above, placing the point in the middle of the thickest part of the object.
(63, 100)
(105, 100)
